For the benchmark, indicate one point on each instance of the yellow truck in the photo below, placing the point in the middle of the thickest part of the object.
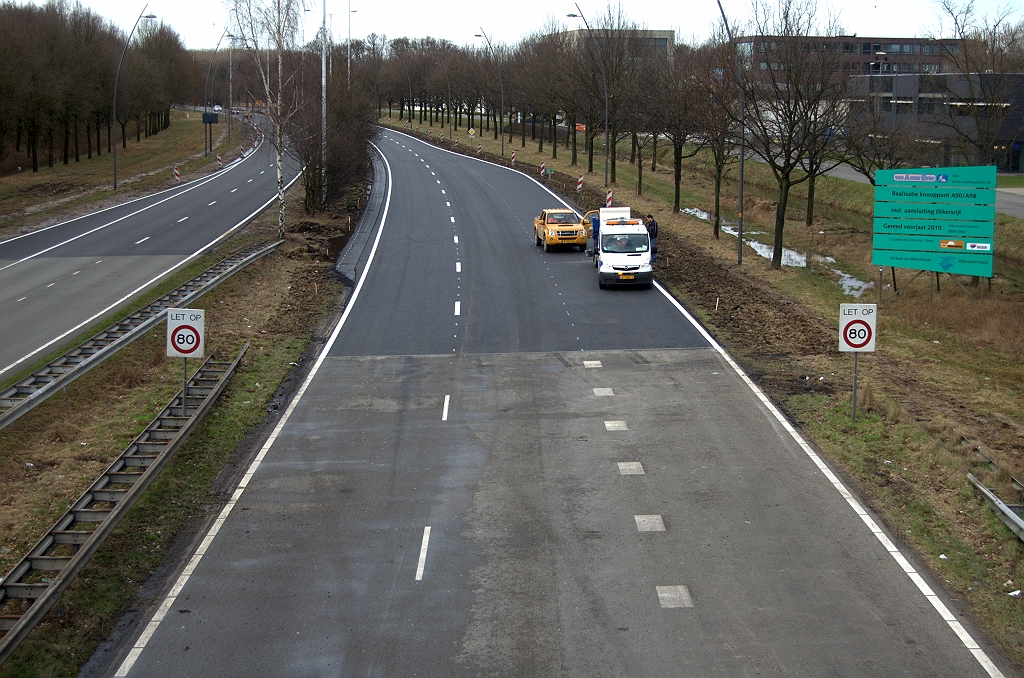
(560, 226)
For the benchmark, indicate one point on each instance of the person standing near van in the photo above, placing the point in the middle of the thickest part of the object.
(595, 223)
(652, 231)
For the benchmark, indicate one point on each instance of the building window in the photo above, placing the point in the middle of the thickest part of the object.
(866, 48)
(891, 48)
(764, 66)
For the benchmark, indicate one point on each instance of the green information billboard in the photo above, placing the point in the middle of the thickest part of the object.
(935, 219)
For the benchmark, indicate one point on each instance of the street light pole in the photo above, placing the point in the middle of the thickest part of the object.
(604, 81)
(118, 75)
(206, 102)
(348, 46)
(501, 115)
(743, 134)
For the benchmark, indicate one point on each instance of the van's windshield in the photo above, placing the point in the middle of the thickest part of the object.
(625, 242)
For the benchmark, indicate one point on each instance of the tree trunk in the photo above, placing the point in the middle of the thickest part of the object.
(719, 167)
(540, 137)
(590, 153)
(88, 140)
(99, 136)
(780, 222)
(554, 136)
(612, 151)
(77, 159)
(33, 141)
(533, 127)
(810, 201)
(138, 130)
(279, 133)
(654, 153)
(124, 134)
(632, 150)
(677, 165)
(110, 141)
(67, 143)
(49, 146)
(639, 170)
(574, 156)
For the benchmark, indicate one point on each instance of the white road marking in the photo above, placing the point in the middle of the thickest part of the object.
(880, 535)
(172, 595)
(439, 181)
(263, 171)
(453, 220)
(100, 261)
(249, 182)
(212, 203)
(615, 426)
(442, 190)
(448, 204)
(603, 392)
(630, 468)
(76, 273)
(458, 308)
(50, 285)
(433, 174)
(649, 523)
(458, 267)
(182, 219)
(22, 299)
(444, 412)
(456, 240)
(143, 240)
(674, 596)
(591, 363)
(233, 190)
(423, 553)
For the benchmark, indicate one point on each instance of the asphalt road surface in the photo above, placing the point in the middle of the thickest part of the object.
(55, 282)
(499, 469)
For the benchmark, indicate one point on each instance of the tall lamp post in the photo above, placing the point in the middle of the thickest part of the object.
(743, 134)
(501, 116)
(207, 149)
(604, 81)
(118, 75)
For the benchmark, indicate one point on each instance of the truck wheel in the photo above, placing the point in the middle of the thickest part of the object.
(583, 247)
(547, 248)
(536, 238)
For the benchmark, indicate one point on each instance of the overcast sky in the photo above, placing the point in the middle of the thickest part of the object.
(201, 22)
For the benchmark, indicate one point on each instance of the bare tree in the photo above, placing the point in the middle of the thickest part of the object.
(986, 65)
(794, 94)
(272, 25)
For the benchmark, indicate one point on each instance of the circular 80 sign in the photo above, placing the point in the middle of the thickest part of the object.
(857, 327)
(185, 327)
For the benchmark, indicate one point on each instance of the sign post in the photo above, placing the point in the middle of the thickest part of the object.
(186, 339)
(857, 335)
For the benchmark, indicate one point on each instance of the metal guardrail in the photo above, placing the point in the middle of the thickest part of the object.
(25, 394)
(38, 580)
(1011, 514)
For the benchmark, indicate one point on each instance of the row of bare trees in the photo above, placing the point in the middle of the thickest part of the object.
(803, 115)
(57, 66)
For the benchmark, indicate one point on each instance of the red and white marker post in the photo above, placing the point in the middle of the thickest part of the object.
(513, 158)
(177, 177)
(220, 163)
(542, 169)
(456, 142)
(579, 184)
(479, 148)
(608, 199)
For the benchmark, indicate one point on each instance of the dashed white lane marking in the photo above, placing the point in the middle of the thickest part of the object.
(674, 596)
(439, 181)
(649, 523)
(458, 308)
(456, 240)
(233, 190)
(182, 219)
(615, 426)
(448, 204)
(50, 285)
(77, 272)
(142, 241)
(603, 392)
(453, 220)
(591, 363)
(630, 468)
(22, 299)
(458, 267)
(249, 182)
(442, 190)
(433, 174)
(262, 172)
(100, 261)
(423, 553)
(880, 535)
(212, 203)
(444, 412)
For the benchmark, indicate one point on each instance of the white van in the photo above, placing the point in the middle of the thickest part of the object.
(623, 256)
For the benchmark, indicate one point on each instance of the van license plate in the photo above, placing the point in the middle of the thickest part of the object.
(626, 277)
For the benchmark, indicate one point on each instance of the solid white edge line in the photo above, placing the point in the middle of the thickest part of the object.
(145, 285)
(169, 599)
(129, 202)
(423, 553)
(884, 540)
(444, 413)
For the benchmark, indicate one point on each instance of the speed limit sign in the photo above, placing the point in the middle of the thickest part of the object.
(857, 327)
(185, 328)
